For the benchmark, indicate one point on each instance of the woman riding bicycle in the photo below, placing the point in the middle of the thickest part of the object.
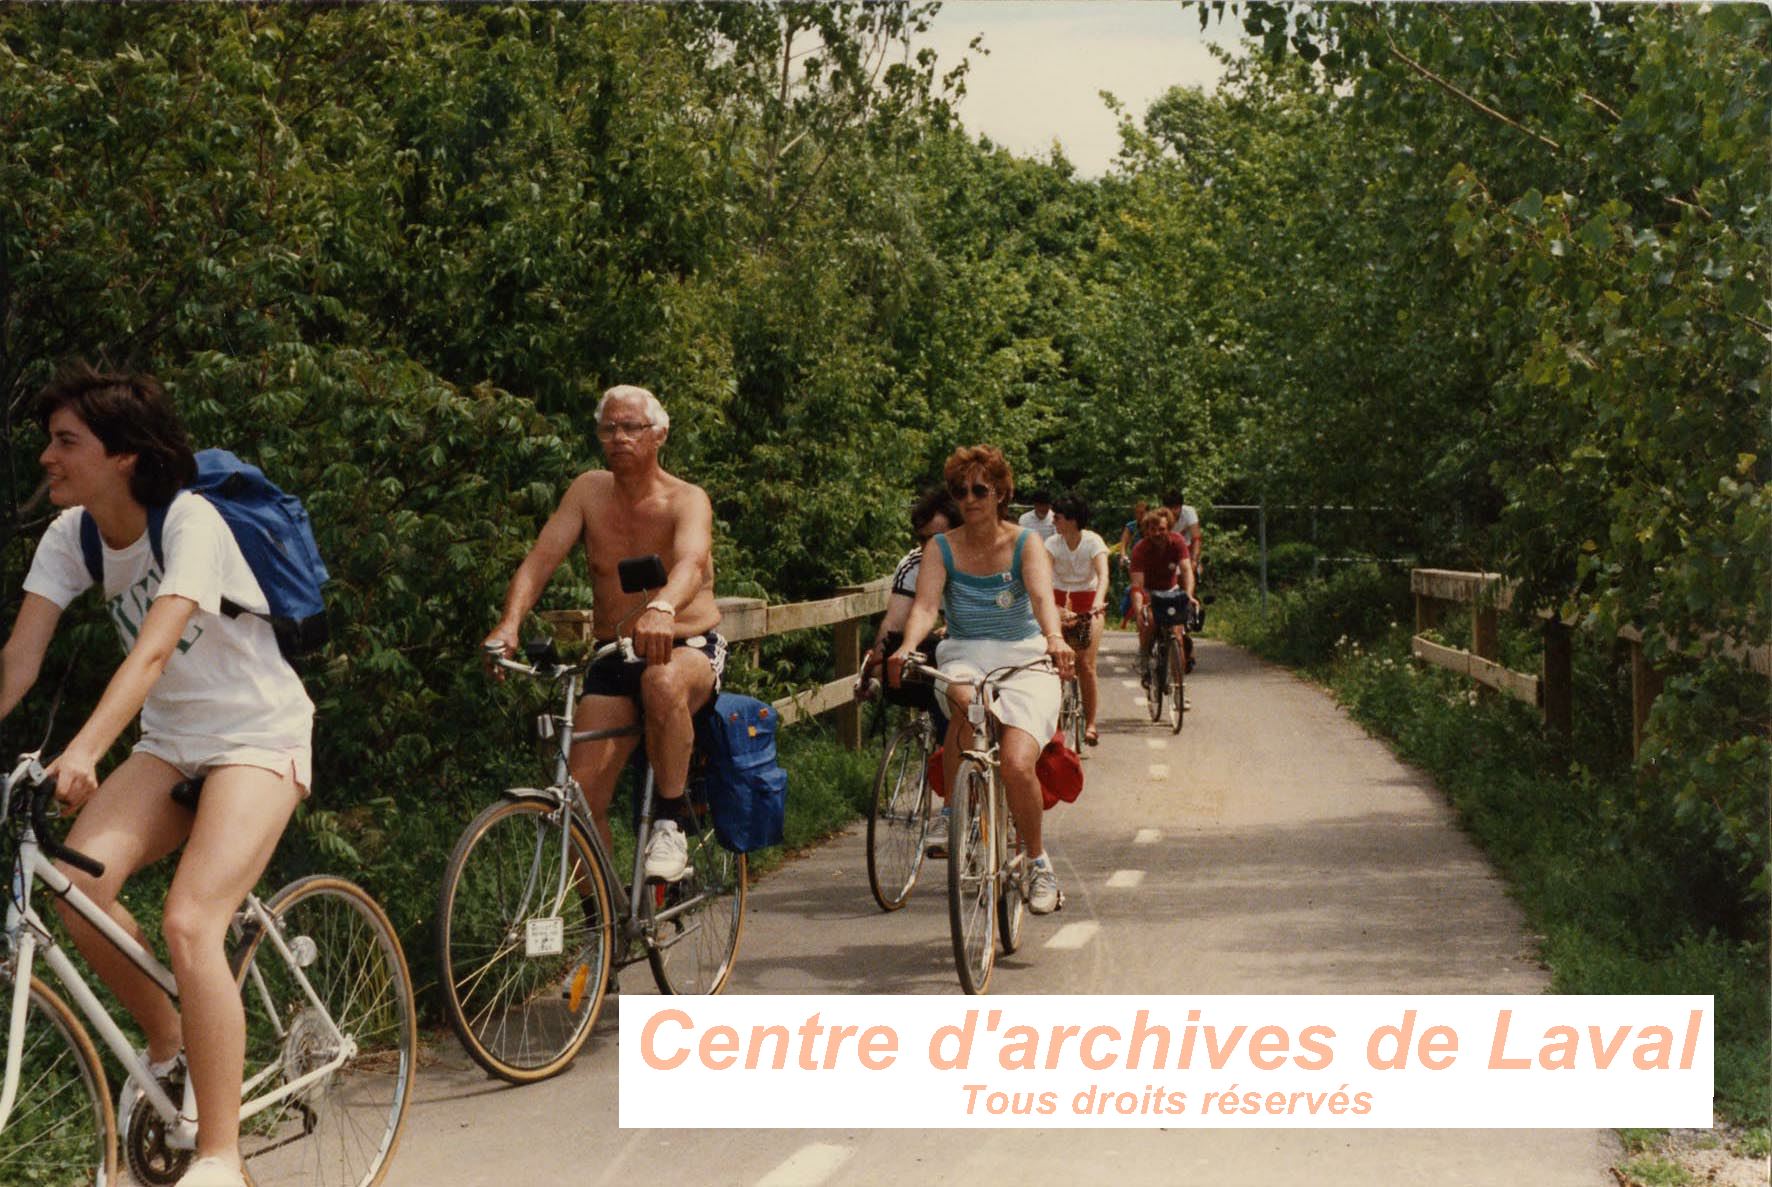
(993, 582)
(1080, 585)
(218, 702)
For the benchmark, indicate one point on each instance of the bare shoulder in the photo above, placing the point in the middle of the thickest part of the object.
(685, 496)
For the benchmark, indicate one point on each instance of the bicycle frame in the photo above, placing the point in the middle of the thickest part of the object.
(570, 802)
(26, 931)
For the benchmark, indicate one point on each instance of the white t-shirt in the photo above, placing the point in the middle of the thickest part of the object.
(1073, 572)
(1189, 517)
(226, 680)
(1046, 527)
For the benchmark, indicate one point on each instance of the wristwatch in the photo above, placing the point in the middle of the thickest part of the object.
(662, 605)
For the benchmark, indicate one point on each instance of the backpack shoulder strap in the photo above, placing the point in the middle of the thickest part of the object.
(92, 549)
(157, 533)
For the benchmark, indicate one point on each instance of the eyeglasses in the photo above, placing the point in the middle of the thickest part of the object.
(977, 490)
(609, 430)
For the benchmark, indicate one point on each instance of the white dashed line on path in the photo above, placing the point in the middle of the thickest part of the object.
(1131, 684)
(807, 1167)
(1159, 770)
(1147, 836)
(1156, 743)
(1073, 935)
(1125, 879)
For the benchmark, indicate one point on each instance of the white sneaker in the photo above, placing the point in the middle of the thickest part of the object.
(214, 1172)
(667, 853)
(1043, 896)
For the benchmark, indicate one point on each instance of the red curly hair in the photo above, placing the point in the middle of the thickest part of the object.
(988, 458)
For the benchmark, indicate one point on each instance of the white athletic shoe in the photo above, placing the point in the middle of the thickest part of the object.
(667, 853)
(1043, 896)
(214, 1172)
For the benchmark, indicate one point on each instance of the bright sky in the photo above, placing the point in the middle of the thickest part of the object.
(1049, 59)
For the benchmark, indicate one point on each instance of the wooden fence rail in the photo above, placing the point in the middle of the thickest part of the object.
(1552, 690)
(745, 620)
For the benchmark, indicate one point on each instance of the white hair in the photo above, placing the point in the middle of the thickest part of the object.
(656, 416)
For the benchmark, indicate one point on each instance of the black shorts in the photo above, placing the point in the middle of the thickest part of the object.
(614, 676)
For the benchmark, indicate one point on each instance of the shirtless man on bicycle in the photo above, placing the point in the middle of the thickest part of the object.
(635, 508)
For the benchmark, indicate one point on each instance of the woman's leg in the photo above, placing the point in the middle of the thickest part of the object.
(1018, 752)
(1086, 679)
(129, 823)
(239, 821)
(959, 735)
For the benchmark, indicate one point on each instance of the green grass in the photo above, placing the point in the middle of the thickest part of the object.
(1650, 1171)
(1629, 901)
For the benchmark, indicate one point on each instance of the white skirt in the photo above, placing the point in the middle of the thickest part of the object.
(1029, 700)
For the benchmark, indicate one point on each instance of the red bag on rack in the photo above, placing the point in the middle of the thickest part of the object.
(1061, 772)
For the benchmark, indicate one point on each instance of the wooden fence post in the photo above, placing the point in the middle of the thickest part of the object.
(1485, 636)
(1559, 679)
(848, 657)
(1427, 613)
(1645, 686)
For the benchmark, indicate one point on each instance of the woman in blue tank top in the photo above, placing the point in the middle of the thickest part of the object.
(993, 582)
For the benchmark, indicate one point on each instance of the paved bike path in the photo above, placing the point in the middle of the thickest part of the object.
(1272, 847)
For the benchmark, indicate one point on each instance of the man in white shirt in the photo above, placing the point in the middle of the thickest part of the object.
(1040, 518)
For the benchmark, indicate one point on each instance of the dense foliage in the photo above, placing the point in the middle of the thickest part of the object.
(1496, 269)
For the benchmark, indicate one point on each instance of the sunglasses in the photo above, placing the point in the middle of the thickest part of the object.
(977, 490)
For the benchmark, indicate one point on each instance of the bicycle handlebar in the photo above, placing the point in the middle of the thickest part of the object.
(496, 654)
(43, 790)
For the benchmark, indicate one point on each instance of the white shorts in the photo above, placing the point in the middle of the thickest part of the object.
(1029, 701)
(193, 757)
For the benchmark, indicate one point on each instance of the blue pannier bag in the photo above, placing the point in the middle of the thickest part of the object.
(746, 788)
(272, 529)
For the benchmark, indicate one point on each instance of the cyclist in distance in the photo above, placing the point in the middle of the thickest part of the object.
(1080, 584)
(218, 702)
(635, 508)
(931, 515)
(993, 582)
(1160, 561)
(1130, 535)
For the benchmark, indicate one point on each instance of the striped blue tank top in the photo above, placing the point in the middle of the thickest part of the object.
(990, 607)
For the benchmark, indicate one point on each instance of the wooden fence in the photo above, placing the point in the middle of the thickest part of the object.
(1552, 689)
(745, 620)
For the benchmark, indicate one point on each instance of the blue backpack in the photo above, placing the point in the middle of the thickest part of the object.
(746, 788)
(272, 530)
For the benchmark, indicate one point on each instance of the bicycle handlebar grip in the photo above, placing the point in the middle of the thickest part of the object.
(50, 842)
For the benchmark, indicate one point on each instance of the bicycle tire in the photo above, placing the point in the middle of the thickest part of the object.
(698, 919)
(1159, 669)
(522, 1018)
(898, 816)
(1177, 685)
(972, 882)
(341, 1130)
(63, 1129)
(1071, 723)
(1012, 882)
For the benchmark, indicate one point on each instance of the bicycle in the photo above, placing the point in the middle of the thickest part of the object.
(532, 925)
(1166, 657)
(899, 813)
(331, 1034)
(1072, 719)
(988, 863)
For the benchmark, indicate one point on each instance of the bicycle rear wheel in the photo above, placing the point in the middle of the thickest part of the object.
(1012, 882)
(522, 1005)
(1159, 668)
(972, 880)
(898, 816)
(340, 1129)
(62, 1131)
(697, 919)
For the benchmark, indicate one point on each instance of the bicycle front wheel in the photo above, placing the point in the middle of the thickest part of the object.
(1070, 717)
(62, 1131)
(696, 920)
(898, 816)
(523, 957)
(1159, 669)
(1177, 683)
(972, 876)
(341, 1047)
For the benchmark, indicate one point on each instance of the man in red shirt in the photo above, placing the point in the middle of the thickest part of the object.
(1160, 561)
